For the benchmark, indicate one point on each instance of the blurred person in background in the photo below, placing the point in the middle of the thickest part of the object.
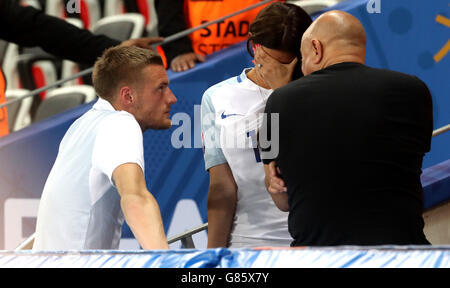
(178, 15)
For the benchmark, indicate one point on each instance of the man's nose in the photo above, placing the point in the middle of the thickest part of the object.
(172, 99)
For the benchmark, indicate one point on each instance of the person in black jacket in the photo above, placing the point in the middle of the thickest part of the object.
(351, 143)
(28, 27)
(179, 53)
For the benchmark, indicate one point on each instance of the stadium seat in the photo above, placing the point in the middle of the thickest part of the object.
(62, 99)
(89, 10)
(35, 3)
(36, 69)
(114, 7)
(313, 6)
(121, 27)
(144, 7)
(18, 112)
(69, 68)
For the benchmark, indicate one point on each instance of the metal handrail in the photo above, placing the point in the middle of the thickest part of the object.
(27, 244)
(186, 237)
(166, 40)
(441, 130)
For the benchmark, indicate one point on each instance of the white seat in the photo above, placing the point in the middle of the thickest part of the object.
(117, 7)
(69, 68)
(58, 8)
(113, 7)
(36, 70)
(19, 112)
(121, 27)
(87, 90)
(55, 8)
(33, 3)
(313, 6)
(62, 99)
(152, 25)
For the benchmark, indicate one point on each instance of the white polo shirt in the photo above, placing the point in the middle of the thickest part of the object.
(230, 112)
(80, 207)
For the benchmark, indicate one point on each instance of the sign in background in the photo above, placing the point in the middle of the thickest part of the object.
(407, 36)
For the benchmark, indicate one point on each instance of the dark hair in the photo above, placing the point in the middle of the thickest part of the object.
(121, 65)
(280, 26)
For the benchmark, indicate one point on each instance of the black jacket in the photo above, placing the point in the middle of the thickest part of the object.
(28, 27)
(170, 21)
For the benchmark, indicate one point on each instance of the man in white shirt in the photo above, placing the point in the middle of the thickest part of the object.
(98, 180)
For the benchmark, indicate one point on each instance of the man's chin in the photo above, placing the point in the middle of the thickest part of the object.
(164, 125)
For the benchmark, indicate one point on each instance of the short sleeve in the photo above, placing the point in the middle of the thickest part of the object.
(119, 140)
(212, 151)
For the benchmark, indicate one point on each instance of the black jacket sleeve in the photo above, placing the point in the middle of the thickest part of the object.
(170, 21)
(28, 27)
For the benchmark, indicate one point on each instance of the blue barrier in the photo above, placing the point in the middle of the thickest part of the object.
(403, 37)
(436, 184)
(308, 257)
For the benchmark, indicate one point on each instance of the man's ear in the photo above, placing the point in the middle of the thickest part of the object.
(317, 50)
(126, 96)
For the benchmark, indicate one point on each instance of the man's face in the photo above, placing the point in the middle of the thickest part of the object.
(154, 99)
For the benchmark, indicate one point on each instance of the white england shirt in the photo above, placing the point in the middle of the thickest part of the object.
(231, 115)
(80, 207)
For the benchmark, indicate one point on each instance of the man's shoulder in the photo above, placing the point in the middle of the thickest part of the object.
(120, 117)
(302, 86)
(109, 119)
(395, 77)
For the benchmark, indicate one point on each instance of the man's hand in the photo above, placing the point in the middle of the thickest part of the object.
(276, 186)
(274, 73)
(274, 183)
(186, 61)
(145, 42)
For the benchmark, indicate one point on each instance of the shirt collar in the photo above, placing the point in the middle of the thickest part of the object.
(102, 104)
(243, 77)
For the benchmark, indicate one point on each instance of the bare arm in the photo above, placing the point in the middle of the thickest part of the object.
(222, 198)
(139, 207)
(276, 187)
(186, 61)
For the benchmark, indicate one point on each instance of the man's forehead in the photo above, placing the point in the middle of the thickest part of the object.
(156, 74)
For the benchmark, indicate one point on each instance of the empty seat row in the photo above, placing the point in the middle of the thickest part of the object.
(56, 101)
(31, 69)
(91, 11)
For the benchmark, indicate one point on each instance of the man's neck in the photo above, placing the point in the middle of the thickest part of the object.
(342, 59)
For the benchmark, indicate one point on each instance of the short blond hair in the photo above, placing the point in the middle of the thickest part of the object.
(121, 65)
